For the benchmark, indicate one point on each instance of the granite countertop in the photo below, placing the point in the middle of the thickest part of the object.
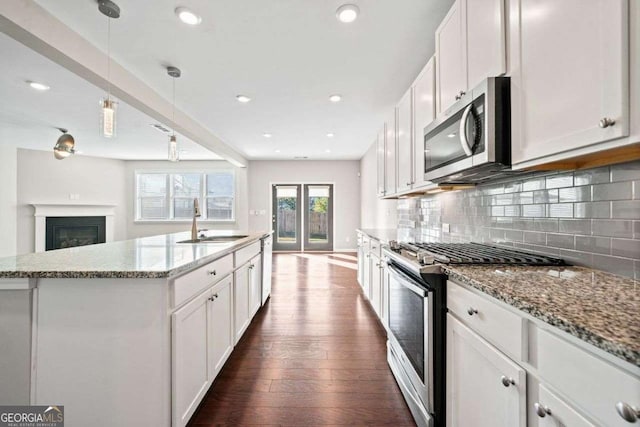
(600, 308)
(384, 235)
(143, 258)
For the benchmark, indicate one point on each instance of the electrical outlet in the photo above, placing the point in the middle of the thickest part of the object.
(348, 239)
(74, 196)
(263, 212)
(445, 227)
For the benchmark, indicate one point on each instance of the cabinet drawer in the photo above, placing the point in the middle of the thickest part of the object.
(375, 247)
(186, 286)
(554, 412)
(494, 323)
(245, 254)
(593, 384)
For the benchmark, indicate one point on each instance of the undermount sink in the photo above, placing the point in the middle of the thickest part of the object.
(216, 239)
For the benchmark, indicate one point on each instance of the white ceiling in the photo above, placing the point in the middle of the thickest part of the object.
(288, 55)
(29, 118)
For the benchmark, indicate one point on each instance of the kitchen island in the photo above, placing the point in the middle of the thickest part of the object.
(127, 333)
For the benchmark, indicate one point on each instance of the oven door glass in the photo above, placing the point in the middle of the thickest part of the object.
(407, 304)
(444, 144)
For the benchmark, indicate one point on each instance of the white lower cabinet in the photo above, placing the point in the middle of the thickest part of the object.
(255, 285)
(241, 293)
(220, 325)
(552, 411)
(484, 387)
(366, 279)
(376, 285)
(202, 340)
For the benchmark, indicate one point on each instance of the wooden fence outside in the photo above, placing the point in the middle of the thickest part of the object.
(318, 224)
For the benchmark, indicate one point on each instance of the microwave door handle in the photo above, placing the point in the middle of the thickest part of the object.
(463, 130)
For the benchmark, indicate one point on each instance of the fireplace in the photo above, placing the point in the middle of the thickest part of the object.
(78, 232)
(70, 231)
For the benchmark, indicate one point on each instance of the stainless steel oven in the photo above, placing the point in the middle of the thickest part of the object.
(471, 141)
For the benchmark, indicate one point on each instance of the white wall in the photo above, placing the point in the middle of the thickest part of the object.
(374, 213)
(8, 200)
(141, 229)
(44, 179)
(346, 191)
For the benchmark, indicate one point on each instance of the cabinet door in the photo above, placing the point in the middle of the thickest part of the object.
(570, 72)
(451, 78)
(241, 301)
(390, 154)
(405, 142)
(220, 325)
(267, 267)
(424, 112)
(360, 264)
(190, 379)
(376, 285)
(381, 155)
(552, 411)
(486, 34)
(484, 387)
(366, 285)
(255, 285)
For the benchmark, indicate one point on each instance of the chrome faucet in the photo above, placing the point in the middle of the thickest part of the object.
(196, 214)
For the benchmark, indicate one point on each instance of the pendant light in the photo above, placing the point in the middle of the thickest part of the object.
(108, 105)
(64, 146)
(174, 153)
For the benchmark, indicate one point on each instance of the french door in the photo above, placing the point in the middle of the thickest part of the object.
(302, 217)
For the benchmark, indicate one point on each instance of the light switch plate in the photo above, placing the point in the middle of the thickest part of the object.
(445, 227)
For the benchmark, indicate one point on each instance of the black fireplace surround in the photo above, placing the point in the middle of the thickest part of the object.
(70, 231)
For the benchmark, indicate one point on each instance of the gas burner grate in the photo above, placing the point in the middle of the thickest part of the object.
(477, 253)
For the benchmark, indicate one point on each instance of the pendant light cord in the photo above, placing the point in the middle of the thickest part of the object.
(173, 107)
(108, 58)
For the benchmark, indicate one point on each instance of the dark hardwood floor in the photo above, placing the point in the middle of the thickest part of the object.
(315, 355)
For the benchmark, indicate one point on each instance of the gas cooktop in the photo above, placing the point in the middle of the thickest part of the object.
(469, 253)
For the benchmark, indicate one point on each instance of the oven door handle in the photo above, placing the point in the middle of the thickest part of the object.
(406, 281)
(464, 141)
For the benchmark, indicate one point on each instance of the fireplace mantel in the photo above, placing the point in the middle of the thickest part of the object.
(44, 210)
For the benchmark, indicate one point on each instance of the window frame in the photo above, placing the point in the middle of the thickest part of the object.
(170, 196)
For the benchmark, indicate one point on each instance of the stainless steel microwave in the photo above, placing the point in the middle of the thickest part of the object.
(471, 142)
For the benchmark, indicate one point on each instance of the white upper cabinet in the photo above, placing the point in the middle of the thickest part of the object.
(390, 156)
(470, 46)
(405, 141)
(424, 112)
(381, 156)
(486, 34)
(569, 86)
(451, 57)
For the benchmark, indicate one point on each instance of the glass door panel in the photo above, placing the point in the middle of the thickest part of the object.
(286, 217)
(318, 217)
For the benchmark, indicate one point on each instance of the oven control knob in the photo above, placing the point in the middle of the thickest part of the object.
(471, 311)
(506, 381)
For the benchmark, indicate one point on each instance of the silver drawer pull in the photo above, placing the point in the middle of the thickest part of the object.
(606, 122)
(471, 311)
(541, 410)
(628, 412)
(506, 381)
(211, 272)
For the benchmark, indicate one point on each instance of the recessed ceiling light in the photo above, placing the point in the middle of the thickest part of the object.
(187, 16)
(347, 13)
(267, 135)
(330, 135)
(327, 151)
(277, 151)
(335, 98)
(38, 86)
(243, 98)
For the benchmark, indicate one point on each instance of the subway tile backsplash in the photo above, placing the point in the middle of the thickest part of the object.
(588, 217)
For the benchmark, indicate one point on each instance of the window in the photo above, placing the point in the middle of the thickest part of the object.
(169, 196)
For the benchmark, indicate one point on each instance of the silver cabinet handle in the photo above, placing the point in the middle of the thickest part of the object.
(462, 93)
(471, 311)
(606, 122)
(541, 410)
(457, 97)
(628, 412)
(211, 272)
(506, 381)
(408, 184)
